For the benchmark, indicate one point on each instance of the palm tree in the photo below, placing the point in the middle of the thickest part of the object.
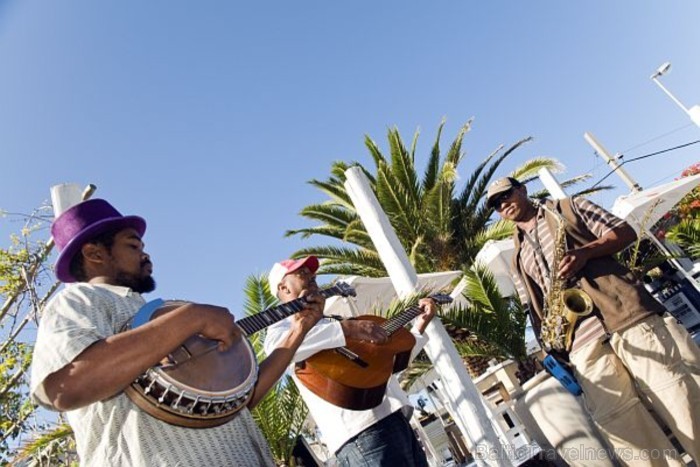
(440, 227)
(282, 412)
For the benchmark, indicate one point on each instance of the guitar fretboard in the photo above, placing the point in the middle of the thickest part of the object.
(259, 321)
(402, 319)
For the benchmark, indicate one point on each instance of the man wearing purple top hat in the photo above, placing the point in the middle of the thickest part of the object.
(82, 362)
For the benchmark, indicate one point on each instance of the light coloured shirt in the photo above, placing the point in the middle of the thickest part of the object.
(115, 432)
(338, 425)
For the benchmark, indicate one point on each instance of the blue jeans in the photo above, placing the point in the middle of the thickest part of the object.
(389, 442)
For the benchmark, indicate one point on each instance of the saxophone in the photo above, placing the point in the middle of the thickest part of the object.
(562, 306)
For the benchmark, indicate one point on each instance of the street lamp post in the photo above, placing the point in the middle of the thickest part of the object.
(693, 112)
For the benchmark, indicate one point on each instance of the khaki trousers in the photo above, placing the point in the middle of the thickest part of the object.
(651, 361)
(686, 345)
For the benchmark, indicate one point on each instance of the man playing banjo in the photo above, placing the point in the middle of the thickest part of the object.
(82, 362)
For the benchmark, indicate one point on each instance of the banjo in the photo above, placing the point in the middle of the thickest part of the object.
(196, 386)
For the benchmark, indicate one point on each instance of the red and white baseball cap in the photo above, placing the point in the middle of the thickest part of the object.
(281, 269)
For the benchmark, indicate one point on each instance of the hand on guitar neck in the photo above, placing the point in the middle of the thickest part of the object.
(312, 312)
(429, 308)
(372, 332)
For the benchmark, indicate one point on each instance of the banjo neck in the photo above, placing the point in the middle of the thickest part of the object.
(257, 322)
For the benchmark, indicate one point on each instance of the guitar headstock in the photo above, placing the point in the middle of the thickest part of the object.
(345, 290)
(441, 298)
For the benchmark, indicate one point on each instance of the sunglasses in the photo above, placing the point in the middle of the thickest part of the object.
(497, 200)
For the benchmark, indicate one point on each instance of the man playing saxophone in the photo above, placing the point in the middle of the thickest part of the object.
(609, 327)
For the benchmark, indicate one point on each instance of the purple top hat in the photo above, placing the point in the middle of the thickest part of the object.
(82, 222)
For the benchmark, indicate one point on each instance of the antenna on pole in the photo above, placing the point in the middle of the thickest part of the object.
(612, 162)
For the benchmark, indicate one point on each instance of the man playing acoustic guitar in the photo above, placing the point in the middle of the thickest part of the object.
(381, 436)
(82, 362)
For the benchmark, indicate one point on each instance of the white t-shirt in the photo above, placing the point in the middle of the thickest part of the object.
(115, 432)
(338, 425)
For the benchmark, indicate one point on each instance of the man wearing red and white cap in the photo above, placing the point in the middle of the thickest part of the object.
(380, 436)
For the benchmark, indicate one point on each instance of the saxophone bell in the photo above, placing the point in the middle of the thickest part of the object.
(578, 302)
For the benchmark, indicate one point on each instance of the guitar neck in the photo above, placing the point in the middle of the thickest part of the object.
(402, 319)
(259, 321)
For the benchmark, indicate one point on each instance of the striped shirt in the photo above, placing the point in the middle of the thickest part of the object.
(538, 263)
(115, 432)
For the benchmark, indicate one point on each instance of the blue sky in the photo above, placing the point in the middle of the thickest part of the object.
(208, 119)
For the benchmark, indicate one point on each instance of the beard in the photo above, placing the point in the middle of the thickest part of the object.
(139, 284)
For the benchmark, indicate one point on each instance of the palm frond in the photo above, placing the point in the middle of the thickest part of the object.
(374, 150)
(686, 234)
(593, 190)
(415, 370)
(324, 230)
(52, 447)
(403, 171)
(335, 190)
(468, 190)
(331, 214)
(455, 154)
(477, 348)
(337, 260)
(482, 289)
(398, 305)
(437, 202)
(257, 298)
(433, 165)
(480, 187)
(493, 320)
(280, 416)
(530, 168)
(499, 230)
(399, 206)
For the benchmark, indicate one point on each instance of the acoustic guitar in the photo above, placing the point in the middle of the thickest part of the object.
(355, 376)
(196, 386)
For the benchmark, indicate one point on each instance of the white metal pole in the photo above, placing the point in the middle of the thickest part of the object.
(668, 93)
(612, 162)
(470, 415)
(551, 183)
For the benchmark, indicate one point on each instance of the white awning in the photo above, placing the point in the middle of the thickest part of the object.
(646, 207)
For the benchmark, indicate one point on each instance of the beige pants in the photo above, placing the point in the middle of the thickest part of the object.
(653, 355)
(686, 345)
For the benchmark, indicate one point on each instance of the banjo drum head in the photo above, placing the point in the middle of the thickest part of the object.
(196, 386)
